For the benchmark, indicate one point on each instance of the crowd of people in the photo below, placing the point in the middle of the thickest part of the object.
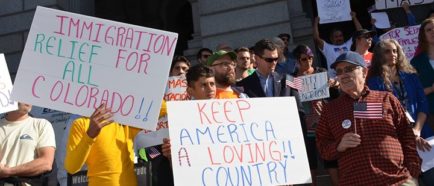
(379, 114)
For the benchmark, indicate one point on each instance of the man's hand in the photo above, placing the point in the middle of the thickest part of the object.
(99, 119)
(165, 148)
(4, 173)
(349, 140)
(422, 144)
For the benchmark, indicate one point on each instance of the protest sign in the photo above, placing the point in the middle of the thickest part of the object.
(6, 104)
(407, 38)
(148, 138)
(387, 4)
(73, 63)
(331, 11)
(176, 89)
(315, 86)
(256, 141)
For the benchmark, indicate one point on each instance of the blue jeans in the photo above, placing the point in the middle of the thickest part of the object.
(427, 177)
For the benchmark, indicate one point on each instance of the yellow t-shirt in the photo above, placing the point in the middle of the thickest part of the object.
(226, 94)
(109, 156)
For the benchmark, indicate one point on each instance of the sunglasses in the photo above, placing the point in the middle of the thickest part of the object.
(345, 70)
(269, 60)
(205, 55)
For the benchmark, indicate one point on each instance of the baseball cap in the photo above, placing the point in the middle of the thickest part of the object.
(362, 32)
(350, 57)
(219, 54)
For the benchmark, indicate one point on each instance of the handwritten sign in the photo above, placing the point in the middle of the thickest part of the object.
(148, 138)
(176, 89)
(237, 142)
(6, 104)
(315, 86)
(407, 38)
(386, 4)
(73, 63)
(331, 11)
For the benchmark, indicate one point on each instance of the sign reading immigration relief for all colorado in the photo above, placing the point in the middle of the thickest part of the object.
(73, 63)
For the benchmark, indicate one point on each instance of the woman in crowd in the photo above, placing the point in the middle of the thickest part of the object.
(304, 59)
(391, 71)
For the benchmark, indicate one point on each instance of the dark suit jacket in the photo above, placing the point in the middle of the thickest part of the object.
(252, 87)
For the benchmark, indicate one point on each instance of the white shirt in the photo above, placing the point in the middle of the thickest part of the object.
(331, 52)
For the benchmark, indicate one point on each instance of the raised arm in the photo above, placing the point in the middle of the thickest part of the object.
(356, 21)
(411, 19)
(319, 42)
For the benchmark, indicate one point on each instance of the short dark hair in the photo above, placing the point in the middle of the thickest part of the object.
(196, 72)
(284, 35)
(199, 53)
(264, 44)
(177, 59)
(301, 49)
(242, 49)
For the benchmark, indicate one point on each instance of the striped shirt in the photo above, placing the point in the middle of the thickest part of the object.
(387, 153)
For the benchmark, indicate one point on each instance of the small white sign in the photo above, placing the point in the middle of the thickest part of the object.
(237, 142)
(315, 86)
(176, 89)
(6, 103)
(387, 4)
(331, 11)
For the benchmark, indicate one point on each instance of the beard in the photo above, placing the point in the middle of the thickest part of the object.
(225, 79)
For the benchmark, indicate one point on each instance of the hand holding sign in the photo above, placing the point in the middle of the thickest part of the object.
(99, 119)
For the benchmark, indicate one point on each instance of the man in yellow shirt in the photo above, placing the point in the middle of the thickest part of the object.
(105, 146)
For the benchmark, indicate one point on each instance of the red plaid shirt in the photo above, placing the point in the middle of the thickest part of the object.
(387, 153)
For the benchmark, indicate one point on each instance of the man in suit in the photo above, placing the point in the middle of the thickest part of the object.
(264, 82)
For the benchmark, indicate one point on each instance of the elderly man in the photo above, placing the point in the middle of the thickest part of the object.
(27, 145)
(367, 131)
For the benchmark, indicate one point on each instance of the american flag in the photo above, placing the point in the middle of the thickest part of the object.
(153, 152)
(294, 82)
(368, 110)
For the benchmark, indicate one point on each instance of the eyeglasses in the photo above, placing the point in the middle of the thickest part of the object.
(225, 64)
(306, 58)
(346, 69)
(206, 55)
(269, 60)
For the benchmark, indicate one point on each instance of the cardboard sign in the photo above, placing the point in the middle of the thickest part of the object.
(6, 104)
(256, 141)
(73, 63)
(331, 11)
(176, 89)
(407, 38)
(386, 4)
(315, 86)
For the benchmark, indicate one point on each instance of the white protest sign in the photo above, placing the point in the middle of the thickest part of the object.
(73, 63)
(386, 4)
(407, 38)
(315, 86)
(176, 89)
(148, 138)
(331, 11)
(6, 104)
(381, 19)
(255, 141)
